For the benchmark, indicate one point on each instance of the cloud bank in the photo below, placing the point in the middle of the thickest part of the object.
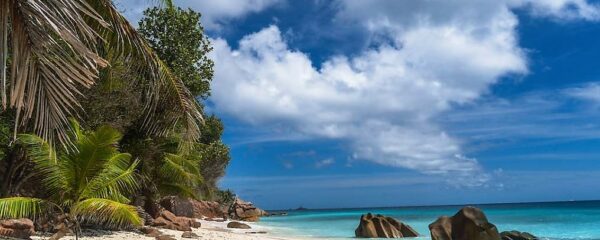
(426, 58)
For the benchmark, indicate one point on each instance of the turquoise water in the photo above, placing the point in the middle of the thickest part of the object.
(556, 221)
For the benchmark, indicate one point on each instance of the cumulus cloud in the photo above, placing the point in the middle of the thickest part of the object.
(383, 100)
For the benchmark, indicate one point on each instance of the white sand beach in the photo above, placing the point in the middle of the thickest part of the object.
(210, 230)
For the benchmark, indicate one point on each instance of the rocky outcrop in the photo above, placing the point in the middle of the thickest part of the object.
(207, 209)
(179, 206)
(17, 228)
(190, 208)
(379, 226)
(516, 235)
(467, 224)
(245, 211)
(238, 225)
(168, 220)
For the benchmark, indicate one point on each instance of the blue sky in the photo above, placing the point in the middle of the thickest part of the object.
(387, 103)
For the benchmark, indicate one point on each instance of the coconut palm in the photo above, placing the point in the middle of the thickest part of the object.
(87, 183)
(58, 46)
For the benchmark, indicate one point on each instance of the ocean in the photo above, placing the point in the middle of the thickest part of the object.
(550, 220)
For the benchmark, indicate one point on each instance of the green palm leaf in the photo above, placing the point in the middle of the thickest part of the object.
(107, 212)
(22, 207)
(117, 177)
(46, 163)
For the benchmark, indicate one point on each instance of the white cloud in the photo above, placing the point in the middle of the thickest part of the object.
(324, 163)
(383, 99)
(589, 92)
(562, 9)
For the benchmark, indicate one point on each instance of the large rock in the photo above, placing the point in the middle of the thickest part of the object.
(17, 228)
(516, 235)
(207, 209)
(245, 211)
(168, 220)
(238, 225)
(179, 206)
(380, 226)
(183, 207)
(467, 224)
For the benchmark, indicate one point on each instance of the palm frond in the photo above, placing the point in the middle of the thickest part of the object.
(180, 170)
(53, 53)
(106, 212)
(172, 189)
(46, 163)
(93, 150)
(23, 207)
(117, 178)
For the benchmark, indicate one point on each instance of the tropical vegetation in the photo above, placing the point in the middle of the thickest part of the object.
(88, 182)
(101, 115)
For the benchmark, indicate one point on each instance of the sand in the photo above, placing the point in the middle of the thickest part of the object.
(210, 230)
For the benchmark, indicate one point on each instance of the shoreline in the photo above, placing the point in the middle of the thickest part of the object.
(210, 230)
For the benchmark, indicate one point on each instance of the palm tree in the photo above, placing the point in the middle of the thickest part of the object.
(87, 184)
(167, 171)
(58, 46)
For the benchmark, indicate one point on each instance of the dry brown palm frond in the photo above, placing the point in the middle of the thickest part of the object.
(53, 53)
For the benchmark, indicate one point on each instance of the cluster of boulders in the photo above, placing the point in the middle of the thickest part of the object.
(469, 223)
(239, 209)
(245, 211)
(169, 220)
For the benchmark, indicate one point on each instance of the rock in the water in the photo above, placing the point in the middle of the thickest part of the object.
(238, 225)
(179, 206)
(245, 211)
(17, 228)
(467, 224)
(516, 235)
(168, 220)
(380, 226)
(189, 235)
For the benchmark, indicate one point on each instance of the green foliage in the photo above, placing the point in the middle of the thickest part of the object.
(89, 180)
(179, 175)
(214, 158)
(178, 38)
(225, 197)
(211, 130)
(17, 207)
(116, 100)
